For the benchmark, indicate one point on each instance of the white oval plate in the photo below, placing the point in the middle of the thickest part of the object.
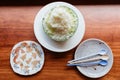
(91, 46)
(16, 60)
(54, 45)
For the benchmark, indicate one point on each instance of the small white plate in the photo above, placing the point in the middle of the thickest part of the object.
(91, 46)
(54, 45)
(27, 60)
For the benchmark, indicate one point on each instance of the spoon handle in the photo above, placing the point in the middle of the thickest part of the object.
(104, 57)
(86, 64)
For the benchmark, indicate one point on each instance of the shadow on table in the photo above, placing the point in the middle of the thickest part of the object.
(43, 2)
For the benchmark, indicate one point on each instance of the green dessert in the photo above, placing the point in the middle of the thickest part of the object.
(60, 23)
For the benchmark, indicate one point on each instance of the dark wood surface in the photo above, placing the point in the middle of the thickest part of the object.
(16, 24)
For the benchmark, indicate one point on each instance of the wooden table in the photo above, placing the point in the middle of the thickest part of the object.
(16, 24)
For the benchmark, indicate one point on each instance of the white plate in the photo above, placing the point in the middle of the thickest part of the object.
(16, 60)
(54, 45)
(91, 46)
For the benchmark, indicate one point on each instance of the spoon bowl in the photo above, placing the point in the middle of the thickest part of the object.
(103, 62)
(102, 52)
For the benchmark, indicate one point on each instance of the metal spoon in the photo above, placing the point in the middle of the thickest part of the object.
(101, 52)
(104, 57)
(88, 64)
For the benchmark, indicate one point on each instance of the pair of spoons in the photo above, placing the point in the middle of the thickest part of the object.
(99, 58)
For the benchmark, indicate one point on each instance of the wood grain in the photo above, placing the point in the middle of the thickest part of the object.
(16, 24)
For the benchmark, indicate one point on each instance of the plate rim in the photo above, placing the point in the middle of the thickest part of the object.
(80, 17)
(110, 51)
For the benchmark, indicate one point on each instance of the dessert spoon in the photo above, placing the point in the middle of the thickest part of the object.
(88, 64)
(104, 57)
(100, 53)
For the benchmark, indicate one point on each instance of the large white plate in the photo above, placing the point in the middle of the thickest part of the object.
(54, 45)
(91, 46)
